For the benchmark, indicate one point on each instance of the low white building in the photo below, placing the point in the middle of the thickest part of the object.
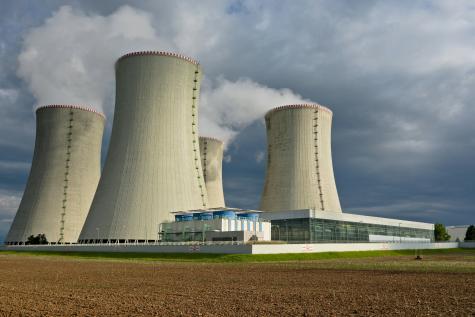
(216, 225)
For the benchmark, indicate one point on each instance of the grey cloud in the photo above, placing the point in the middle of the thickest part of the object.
(9, 201)
(14, 166)
(260, 156)
(77, 68)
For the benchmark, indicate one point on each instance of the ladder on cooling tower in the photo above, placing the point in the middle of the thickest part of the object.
(317, 162)
(69, 139)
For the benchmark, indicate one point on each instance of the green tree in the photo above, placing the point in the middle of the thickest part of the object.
(470, 235)
(38, 239)
(440, 233)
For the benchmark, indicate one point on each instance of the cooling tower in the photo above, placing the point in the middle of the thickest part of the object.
(153, 165)
(299, 162)
(211, 151)
(63, 176)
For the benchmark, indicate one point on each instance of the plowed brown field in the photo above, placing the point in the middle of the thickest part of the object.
(57, 286)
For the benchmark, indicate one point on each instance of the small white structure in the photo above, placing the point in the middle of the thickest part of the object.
(216, 225)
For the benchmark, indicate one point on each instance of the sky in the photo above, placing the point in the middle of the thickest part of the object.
(398, 76)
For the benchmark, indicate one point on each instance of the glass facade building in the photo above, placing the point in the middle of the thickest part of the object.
(315, 230)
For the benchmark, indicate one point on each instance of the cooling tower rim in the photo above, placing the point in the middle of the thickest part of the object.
(158, 53)
(211, 138)
(78, 107)
(299, 106)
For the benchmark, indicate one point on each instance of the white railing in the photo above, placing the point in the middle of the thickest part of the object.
(159, 243)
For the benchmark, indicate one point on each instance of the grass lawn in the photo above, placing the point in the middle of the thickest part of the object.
(455, 260)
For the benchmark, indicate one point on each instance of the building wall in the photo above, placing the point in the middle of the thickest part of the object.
(64, 174)
(153, 166)
(234, 248)
(343, 216)
(211, 151)
(299, 162)
(183, 230)
(343, 247)
(386, 238)
(225, 248)
(236, 236)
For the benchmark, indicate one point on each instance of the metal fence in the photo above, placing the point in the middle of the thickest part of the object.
(189, 243)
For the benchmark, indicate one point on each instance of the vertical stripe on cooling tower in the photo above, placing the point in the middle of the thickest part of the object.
(69, 138)
(195, 135)
(269, 148)
(317, 163)
(205, 152)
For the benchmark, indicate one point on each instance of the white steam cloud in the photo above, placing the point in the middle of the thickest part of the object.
(69, 60)
(227, 107)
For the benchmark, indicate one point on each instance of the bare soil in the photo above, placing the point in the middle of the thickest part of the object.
(57, 286)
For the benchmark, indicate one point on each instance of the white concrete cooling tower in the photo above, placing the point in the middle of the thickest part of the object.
(211, 151)
(299, 162)
(153, 166)
(64, 174)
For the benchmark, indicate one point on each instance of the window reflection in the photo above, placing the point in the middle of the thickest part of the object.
(306, 230)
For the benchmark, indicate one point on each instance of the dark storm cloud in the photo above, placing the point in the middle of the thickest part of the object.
(398, 75)
(402, 137)
(243, 176)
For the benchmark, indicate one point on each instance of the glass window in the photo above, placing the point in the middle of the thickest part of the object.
(322, 230)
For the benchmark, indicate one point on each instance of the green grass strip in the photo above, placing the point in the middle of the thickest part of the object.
(242, 258)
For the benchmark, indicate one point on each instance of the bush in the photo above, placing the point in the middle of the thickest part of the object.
(470, 235)
(38, 239)
(440, 233)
